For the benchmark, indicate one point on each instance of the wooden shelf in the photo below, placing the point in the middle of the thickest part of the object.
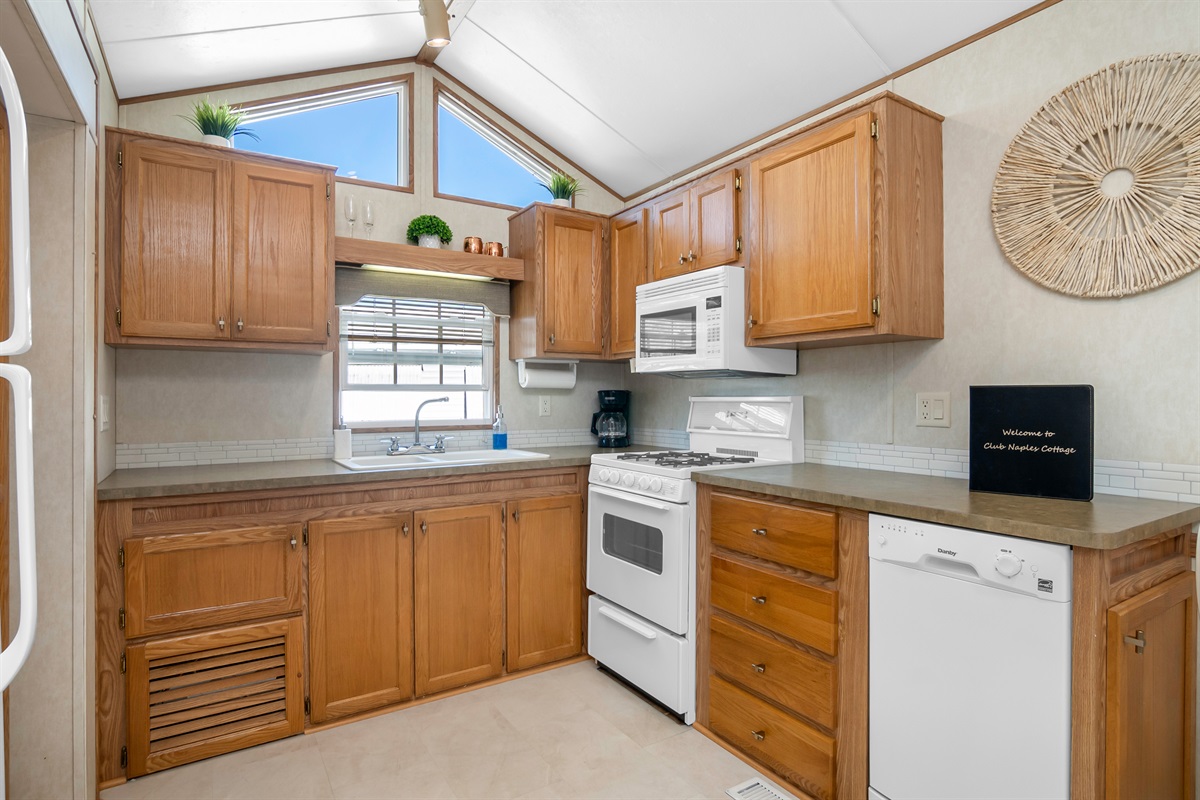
(391, 254)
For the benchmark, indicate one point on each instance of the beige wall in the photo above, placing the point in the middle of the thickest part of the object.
(179, 396)
(1141, 353)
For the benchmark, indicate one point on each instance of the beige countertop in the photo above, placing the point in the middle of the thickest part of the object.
(131, 484)
(1106, 523)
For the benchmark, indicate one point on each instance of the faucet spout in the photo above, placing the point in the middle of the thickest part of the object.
(417, 418)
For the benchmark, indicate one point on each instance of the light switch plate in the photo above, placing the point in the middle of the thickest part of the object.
(933, 409)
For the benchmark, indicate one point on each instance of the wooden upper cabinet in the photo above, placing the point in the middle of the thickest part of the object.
(282, 261)
(845, 231)
(697, 228)
(459, 596)
(630, 245)
(174, 269)
(216, 249)
(559, 309)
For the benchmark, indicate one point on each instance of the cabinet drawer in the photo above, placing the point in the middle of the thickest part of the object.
(793, 678)
(793, 608)
(803, 755)
(804, 538)
(190, 580)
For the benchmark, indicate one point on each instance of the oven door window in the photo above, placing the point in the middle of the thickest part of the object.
(633, 542)
(668, 333)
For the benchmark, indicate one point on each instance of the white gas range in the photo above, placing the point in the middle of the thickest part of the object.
(642, 539)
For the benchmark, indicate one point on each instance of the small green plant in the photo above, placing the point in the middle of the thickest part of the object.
(561, 187)
(429, 225)
(213, 119)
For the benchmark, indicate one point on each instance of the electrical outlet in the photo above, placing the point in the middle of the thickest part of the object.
(543, 406)
(933, 409)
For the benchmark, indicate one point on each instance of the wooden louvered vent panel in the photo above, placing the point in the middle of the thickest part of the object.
(191, 697)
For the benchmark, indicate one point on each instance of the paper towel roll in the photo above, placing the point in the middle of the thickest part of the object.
(546, 374)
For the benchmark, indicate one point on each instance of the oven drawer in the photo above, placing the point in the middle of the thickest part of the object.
(802, 754)
(659, 663)
(804, 538)
(793, 678)
(790, 607)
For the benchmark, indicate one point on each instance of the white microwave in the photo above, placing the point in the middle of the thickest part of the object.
(694, 326)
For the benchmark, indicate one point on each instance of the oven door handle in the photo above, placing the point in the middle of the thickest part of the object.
(645, 631)
(632, 498)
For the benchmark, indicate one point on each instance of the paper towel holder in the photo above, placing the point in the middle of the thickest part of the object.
(546, 373)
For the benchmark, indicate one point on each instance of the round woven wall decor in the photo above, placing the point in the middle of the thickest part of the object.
(1099, 194)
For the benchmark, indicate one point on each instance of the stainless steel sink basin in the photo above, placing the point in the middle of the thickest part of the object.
(454, 458)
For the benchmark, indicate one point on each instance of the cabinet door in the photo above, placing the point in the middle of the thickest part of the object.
(189, 580)
(672, 226)
(281, 256)
(1149, 736)
(545, 580)
(459, 598)
(715, 220)
(629, 248)
(574, 262)
(195, 696)
(360, 587)
(811, 256)
(174, 280)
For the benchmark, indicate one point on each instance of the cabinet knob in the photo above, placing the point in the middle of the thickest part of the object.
(293, 542)
(691, 256)
(240, 325)
(424, 527)
(516, 516)
(758, 735)
(220, 323)
(404, 529)
(552, 338)
(681, 259)
(750, 322)
(1138, 641)
(759, 668)
(760, 531)
(760, 599)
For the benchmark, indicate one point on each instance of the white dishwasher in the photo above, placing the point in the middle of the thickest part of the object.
(970, 664)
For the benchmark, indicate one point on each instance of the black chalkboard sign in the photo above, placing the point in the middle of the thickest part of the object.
(1032, 440)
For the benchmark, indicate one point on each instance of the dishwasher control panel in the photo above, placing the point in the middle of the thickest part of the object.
(1025, 566)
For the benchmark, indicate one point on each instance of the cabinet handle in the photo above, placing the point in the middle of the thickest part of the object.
(293, 542)
(758, 735)
(1138, 641)
(750, 322)
(759, 531)
(691, 256)
(516, 516)
(424, 527)
(759, 668)
(240, 326)
(404, 529)
(552, 338)
(220, 323)
(760, 599)
(681, 258)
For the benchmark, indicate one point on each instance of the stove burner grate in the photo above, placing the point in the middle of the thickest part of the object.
(683, 458)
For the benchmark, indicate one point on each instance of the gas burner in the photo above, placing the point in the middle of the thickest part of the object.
(684, 459)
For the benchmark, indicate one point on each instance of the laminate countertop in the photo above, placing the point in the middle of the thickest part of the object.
(133, 484)
(1106, 523)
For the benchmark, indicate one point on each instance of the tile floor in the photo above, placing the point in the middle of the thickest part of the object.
(571, 732)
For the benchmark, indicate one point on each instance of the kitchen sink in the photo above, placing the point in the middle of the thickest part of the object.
(429, 460)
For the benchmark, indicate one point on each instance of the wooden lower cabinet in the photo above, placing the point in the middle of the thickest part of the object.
(360, 614)
(203, 694)
(545, 580)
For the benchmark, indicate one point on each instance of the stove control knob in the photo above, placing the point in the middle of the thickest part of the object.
(1008, 565)
(627, 480)
(643, 483)
(615, 477)
(655, 484)
(602, 475)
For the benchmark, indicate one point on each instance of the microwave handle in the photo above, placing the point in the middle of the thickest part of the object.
(632, 498)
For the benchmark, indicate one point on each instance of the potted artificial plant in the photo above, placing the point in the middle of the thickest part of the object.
(429, 231)
(218, 123)
(562, 188)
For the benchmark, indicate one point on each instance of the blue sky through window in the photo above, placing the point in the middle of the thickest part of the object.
(470, 166)
(359, 138)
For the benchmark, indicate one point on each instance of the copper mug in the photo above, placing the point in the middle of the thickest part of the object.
(493, 249)
(473, 244)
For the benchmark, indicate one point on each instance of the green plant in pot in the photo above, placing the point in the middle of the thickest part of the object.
(218, 123)
(429, 231)
(562, 188)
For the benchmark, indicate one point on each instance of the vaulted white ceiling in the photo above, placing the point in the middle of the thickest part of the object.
(633, 91)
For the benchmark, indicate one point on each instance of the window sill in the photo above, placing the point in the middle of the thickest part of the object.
(376, 427)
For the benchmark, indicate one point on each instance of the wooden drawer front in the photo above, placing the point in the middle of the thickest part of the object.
(795, 609)
(793, 678)
(192, 697)
(803, 755)
(191, 580)
(804, 538)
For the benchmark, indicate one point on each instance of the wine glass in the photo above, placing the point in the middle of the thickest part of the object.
(369, 217)
(351, 212)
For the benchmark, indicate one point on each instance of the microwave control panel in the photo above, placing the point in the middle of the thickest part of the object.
(712, 325)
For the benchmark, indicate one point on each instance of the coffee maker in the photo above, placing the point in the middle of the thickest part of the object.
(611, 422)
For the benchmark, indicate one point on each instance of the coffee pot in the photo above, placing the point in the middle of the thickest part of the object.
(611, 422)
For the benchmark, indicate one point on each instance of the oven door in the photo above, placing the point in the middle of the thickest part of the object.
(640, 555)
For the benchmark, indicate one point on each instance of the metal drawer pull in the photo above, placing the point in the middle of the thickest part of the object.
(760, 599)
(221, 323)
(759, 735)
(240, 324)
(1138, 641)
(404, 529)
(760, 531)
(759, 668)
(424, 527)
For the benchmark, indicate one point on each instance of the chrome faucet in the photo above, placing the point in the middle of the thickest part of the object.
(439, 443)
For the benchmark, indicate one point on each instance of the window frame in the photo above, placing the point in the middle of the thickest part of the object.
(406, 132)
(439, 89)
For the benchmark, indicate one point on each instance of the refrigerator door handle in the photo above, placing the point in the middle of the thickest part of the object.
(13, 657)
(19, 340)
